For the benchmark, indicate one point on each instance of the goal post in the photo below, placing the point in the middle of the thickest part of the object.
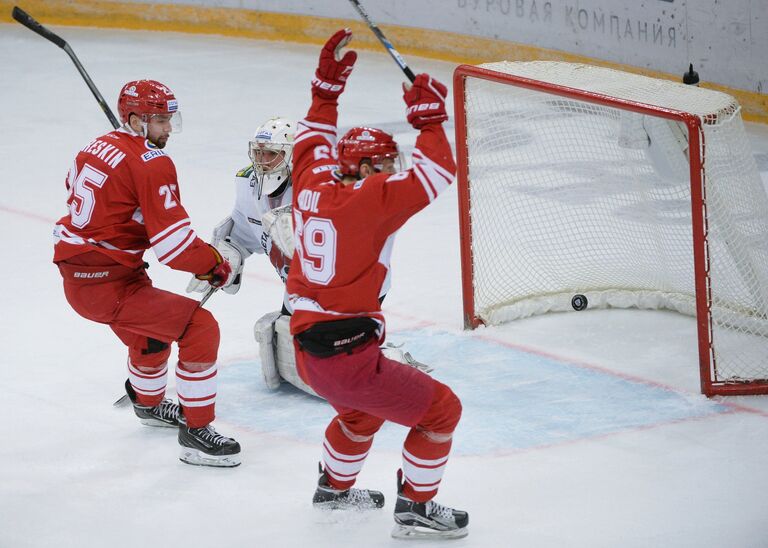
(632, 191)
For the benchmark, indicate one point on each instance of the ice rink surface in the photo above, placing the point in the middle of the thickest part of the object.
(580, 430)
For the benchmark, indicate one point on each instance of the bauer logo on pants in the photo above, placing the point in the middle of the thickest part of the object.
(91, 274)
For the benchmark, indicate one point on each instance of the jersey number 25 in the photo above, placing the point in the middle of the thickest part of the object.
(83, 201)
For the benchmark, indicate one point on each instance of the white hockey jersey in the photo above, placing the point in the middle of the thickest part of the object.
(246, 216)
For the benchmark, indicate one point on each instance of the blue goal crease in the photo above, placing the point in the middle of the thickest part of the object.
(512, 399)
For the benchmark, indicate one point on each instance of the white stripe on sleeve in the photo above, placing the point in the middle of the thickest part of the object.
(173, 244)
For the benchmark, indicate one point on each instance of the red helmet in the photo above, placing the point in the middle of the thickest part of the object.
(365, 143)
(145, 97)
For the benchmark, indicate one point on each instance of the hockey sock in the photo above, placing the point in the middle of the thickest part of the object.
(426, 449)
(348, 439)
(148, 382)
(196, 370)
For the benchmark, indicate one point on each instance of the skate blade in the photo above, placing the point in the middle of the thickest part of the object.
(197, 458)
(157, 423)
(122, 401)
(338, 506)
(414, 532)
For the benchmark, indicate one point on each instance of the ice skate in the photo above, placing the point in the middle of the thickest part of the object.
(425, 520)
(206, 447)
(395, 352)
(328, 498)
(166, 413)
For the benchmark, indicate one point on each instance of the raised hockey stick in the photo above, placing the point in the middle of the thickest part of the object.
(383, 39)
(28, 21)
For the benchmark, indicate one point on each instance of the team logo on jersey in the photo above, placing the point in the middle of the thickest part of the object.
(173, 105)
(152, 154)
(131, 91)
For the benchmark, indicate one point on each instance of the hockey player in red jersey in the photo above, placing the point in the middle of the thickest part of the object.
(344, 232)
(124, 198)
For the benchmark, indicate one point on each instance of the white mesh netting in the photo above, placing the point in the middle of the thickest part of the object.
(569, 197)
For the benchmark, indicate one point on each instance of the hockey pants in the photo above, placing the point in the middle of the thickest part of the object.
(366, 389)
(147, 320)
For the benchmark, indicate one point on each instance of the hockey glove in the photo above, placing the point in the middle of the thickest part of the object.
(220, 232)
(332, 71)
(425, 101)
(220, 275)
(278, 224)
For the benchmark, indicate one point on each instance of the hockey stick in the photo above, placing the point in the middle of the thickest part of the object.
(383, 39)
(28, 21)
(208, 295)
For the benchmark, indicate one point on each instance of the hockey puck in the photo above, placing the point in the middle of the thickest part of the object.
(579, 302)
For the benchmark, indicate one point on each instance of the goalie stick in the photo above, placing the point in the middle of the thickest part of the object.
(383, 39)
(28, 21)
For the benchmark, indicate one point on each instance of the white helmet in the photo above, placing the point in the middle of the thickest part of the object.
(270, 152)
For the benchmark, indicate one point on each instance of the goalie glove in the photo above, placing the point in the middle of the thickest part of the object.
(332, 70)
(223, 230)
(229, 253)
(278, 224)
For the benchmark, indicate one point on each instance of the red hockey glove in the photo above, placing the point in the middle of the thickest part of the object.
(221, 274)
(425, 99)
(332, 72)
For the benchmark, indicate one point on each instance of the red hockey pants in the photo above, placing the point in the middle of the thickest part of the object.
(147, 320)
(366, 389)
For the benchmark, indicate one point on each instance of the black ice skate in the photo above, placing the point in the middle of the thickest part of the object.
(206, 447)
(419, 520)
(328, 498)
(166, 413)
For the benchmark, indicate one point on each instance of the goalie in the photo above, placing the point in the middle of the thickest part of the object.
(260, 223)
(259, 188)
(363, 151)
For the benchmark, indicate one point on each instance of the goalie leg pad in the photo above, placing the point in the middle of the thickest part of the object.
(285, 355)
(277, 353)
(264, 333)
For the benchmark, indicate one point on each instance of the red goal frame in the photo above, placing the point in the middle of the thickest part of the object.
(702, 283)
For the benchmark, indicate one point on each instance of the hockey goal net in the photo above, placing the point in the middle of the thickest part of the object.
(628, 190)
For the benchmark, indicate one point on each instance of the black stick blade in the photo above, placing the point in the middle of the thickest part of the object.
(28, 21)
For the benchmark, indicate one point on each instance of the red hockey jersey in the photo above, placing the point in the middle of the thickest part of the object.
(123, 199)
(344, 234)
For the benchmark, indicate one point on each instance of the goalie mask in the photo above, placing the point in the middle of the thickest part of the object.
(270, 153)
(147, 98)
(366, 144)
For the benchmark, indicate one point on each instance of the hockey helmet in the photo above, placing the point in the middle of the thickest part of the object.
(270, 152)
(146, 98)
(365, 143)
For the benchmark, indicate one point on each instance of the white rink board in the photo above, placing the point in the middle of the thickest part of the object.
(726, 41)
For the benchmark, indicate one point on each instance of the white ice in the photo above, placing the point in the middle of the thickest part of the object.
(579, 430)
